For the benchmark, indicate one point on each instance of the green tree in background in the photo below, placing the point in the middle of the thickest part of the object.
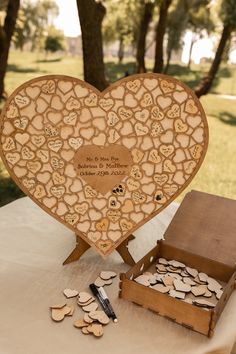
(187, 14)
(175, 29)
(33, 22)
(198, 19)
(227, 14)
(121, 24)
(54, 40)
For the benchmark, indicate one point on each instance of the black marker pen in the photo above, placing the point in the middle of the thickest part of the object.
(102, 301)
(105, 297)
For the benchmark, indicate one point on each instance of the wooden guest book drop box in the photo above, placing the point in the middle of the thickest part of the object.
(202, 236)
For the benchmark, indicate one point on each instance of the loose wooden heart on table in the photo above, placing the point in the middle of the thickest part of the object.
(128, 149)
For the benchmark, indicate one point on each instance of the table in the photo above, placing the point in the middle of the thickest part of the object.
(32, 248)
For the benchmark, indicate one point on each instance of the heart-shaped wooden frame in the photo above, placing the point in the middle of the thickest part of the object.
(147, 133)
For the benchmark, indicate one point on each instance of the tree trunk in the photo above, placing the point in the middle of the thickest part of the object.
(169, 53)
(91, 14)
(205, 85)
(190, 52)
(2, 40)
(141, 45)
(121, 49)
(160, 32)
(5, 39)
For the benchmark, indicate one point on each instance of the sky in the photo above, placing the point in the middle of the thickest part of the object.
(68, 19)
(203, 47)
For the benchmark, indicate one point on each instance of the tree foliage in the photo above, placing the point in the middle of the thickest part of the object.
(122, 22)
(33, 21)
(194, 15)
(227, 13)
(3, 5)
(175, 29)
(198, 15)
(54, 40)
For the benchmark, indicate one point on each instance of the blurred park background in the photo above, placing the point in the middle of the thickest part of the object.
(103, 41)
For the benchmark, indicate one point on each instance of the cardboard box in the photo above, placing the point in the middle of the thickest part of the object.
(202, 234)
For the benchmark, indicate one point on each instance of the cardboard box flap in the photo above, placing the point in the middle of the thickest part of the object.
(205, 225)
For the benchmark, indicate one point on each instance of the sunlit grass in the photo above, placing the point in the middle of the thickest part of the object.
(218, 172)
(25, 66)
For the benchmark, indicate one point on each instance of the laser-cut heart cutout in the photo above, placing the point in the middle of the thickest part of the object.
(152, 123)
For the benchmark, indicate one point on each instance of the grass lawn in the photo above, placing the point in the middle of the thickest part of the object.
(218, 172)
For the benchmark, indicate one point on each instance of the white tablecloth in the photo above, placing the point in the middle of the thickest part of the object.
(32, 248)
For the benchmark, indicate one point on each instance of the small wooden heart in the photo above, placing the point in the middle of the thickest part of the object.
(84, 297)
(87, 319)
(100, 282)
(198, 290)
(177, 294)
(189, 281)
(181, 286)
(84, 330)
(193, 272)
(70, 293)
(107, 274)
(99, 316)
(58, 306)
(168, 281)
(103, 163)
(162, 288)
(213, 285)
(58, 314)
(143, 280)
(203, 277)
(91, 307)
(86, 303)
(203, 303)
(80, 323)
(96, 329)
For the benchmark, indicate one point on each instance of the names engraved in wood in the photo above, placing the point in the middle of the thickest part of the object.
(103, 167)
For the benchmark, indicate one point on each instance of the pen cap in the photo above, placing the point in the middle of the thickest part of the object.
(94, 289)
